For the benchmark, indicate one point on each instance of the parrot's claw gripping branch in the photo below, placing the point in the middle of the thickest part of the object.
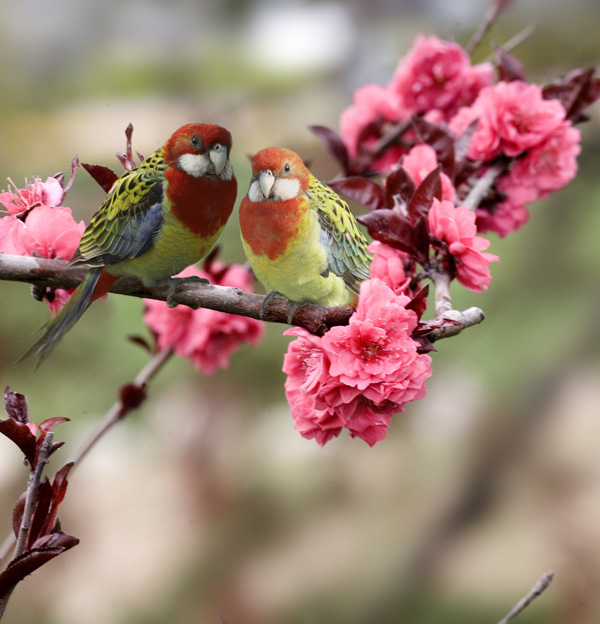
(176, 283)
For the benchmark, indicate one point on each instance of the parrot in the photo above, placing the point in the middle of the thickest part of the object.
(157, 219)
(299, 235)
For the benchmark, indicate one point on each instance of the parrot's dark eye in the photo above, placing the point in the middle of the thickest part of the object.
(287, 167)
(195, 141)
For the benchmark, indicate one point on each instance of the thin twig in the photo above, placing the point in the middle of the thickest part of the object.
(491, 15)
(538, 589)
(32, 493)
(480, 189)
(517, 40)
(33, 487)
(120, 409)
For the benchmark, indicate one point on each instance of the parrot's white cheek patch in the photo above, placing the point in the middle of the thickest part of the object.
(193, 164)
(286, 188)
(254, 192)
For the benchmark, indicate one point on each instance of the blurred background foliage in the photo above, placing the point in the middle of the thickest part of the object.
(206, 501)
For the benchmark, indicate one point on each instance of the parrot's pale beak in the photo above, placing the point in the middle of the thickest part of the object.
(218, 158)
(266, 180)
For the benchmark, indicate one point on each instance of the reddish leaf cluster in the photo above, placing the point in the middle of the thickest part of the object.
(44, 539)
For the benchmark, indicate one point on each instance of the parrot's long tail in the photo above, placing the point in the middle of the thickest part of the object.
(89, 290)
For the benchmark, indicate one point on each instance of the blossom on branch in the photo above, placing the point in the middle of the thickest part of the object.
(435, 78)
(511, 117)
(207, 337)
(437, 75)
(420, 161)
(388, 266)
(39, 226)
(48, 193)
(455, 226)
(356, 376)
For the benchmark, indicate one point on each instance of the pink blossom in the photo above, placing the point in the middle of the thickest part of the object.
(388, 266)
(511, 118)
(371, 103)
(507, 217)
(207, 337)
(546, 167)
(438, 74)
(46, 232)
(48, 193)
(455, 225)
(357, 376)
(420, 162)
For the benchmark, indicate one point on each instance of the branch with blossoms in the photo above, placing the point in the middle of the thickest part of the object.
(442, 155)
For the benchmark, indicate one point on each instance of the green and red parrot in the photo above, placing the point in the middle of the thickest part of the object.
(157, 219)
(300, 237)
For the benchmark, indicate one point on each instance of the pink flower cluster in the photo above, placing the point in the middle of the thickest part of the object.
(435, 77)
(513, 119)
(356, 376)
(455, 225)
(37, 225)
(207, 337)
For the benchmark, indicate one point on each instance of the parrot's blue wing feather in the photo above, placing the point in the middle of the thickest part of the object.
(126, 223)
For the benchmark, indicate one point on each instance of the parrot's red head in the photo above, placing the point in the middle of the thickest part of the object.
(277, 174)
(200, 150)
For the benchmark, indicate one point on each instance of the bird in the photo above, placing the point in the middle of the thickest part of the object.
(157, 219)
(299, 235)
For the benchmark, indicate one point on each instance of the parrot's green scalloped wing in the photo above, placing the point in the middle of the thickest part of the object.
(125, 225)
(347, 254)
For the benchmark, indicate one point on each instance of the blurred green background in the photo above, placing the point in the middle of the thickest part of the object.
(206, 501)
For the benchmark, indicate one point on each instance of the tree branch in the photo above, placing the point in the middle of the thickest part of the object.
(42, 272)
(538, 589)
(45, 273)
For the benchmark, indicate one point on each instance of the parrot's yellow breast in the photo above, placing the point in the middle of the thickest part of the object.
(301, 272)
(174, 248)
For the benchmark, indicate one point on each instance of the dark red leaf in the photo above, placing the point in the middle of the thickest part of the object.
(45, 427)
(441, 141)
(418, 303)
(21, 436)
(430, 188)
(390, 227)
(364, 191)
(132, 395)
(39, 519)
(16, 406)
(17, 514)
(105, 176)
(212, 256)
(49, 424)
(334, 144)
(399, 189)
(58, 491)
(59, 484)
(575, 91)
(425, 346)
(421, 240)
(509, 68)
(55, 446)
(142, 342)
(57, 539)
(27, 563)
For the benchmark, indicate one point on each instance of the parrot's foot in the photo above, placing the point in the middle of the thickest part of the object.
(292, 313)
(176, 282)
(268, 298)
